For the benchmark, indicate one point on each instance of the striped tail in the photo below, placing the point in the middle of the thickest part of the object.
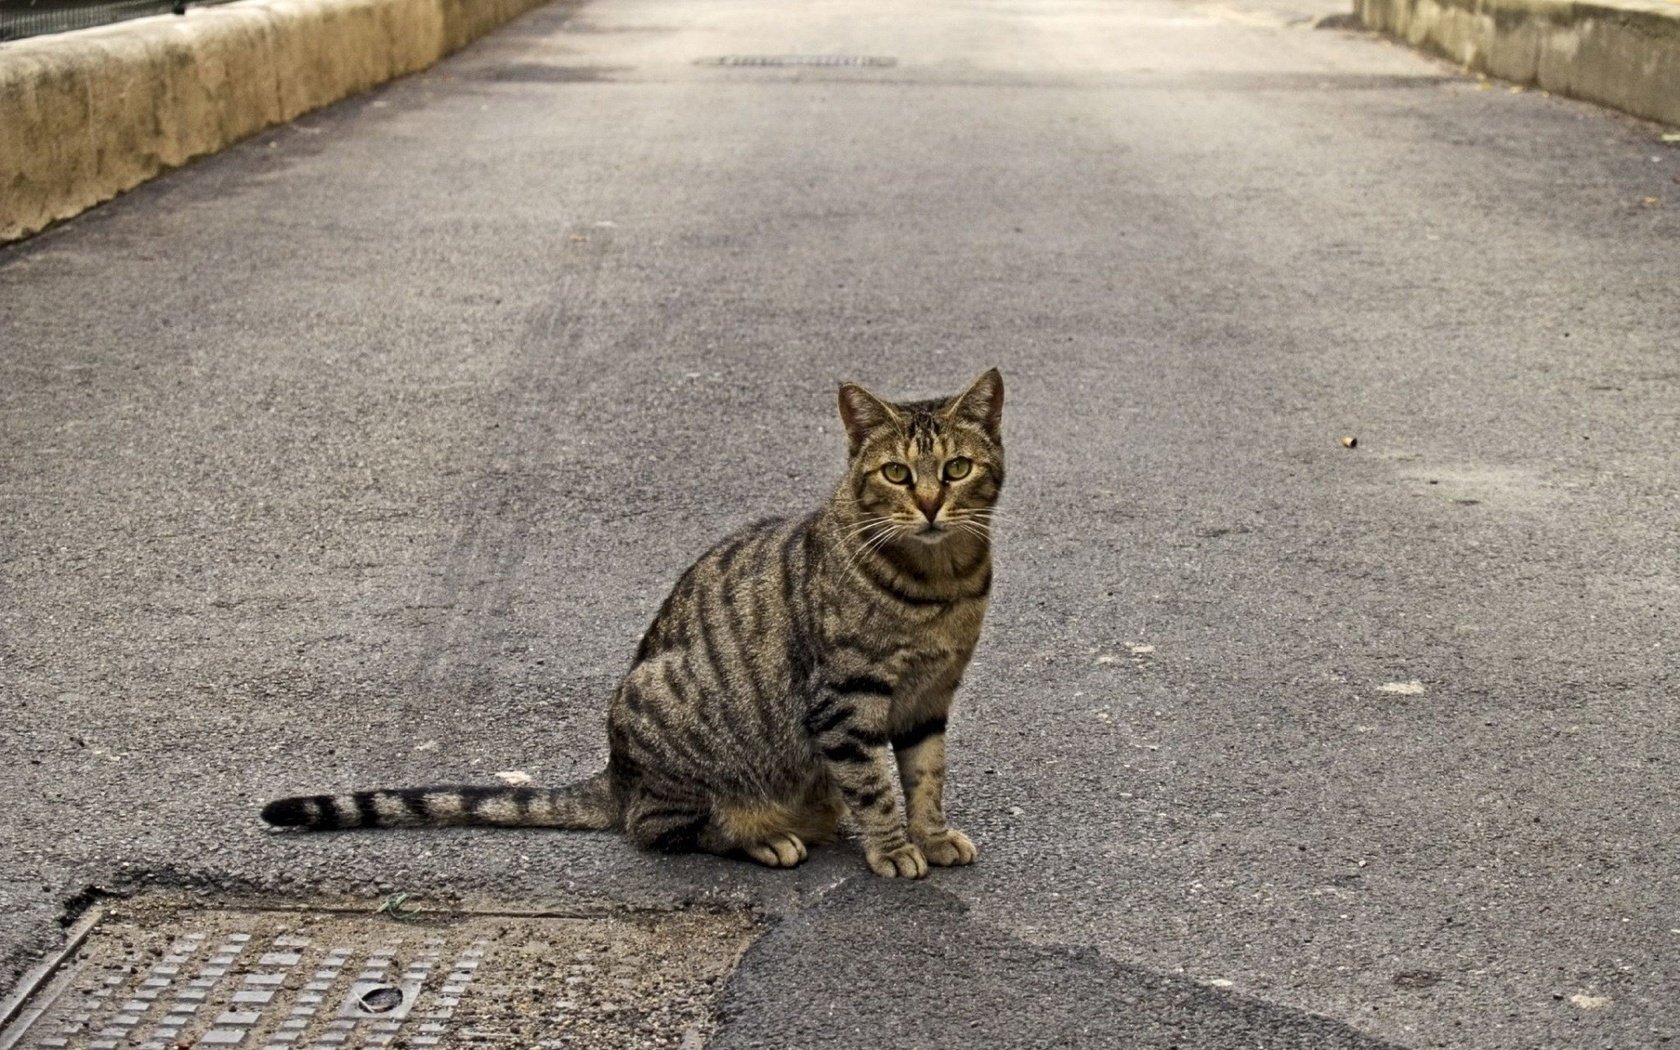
(588, 805)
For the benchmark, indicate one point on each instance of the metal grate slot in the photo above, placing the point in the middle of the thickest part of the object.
(800, 60)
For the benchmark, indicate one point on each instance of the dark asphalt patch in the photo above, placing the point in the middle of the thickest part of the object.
(154, 972)
(907, 963)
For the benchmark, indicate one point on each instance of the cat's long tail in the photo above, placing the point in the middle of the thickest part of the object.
(588, 805)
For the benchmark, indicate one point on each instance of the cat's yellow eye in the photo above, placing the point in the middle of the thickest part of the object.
(897, 473)
(958, 468)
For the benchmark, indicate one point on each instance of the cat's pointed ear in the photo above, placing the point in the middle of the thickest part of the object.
(861, 412)
(981, 403)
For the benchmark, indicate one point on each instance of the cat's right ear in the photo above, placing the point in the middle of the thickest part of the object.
(861, 412)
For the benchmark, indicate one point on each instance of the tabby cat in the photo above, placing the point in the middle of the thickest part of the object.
(789, 669)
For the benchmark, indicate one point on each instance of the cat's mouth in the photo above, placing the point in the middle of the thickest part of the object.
(930, 533)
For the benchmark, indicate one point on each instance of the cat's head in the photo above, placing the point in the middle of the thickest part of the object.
(924, 470)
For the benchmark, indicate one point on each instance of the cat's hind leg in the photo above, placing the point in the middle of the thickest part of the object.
(820, 812)
(667, 823)
(766, 832)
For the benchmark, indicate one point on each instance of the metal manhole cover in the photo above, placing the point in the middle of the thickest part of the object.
(161, 976)
(800, 60)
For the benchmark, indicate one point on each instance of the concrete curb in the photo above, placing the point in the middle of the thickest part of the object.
(1624, 54)
(89, 114)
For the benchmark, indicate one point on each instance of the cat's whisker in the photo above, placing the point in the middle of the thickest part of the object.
(856, 557)
(859, 538)
(867, 524)
(888, 531)
(893, 530)
(869, 528)
(870, 519)
(981, 523)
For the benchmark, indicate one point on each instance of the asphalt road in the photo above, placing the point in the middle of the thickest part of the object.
(360, 454)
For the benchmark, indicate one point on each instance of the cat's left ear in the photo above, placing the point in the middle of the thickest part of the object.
(981, 403)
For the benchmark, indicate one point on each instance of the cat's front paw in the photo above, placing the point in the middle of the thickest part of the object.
(948, 848)
(905, 862)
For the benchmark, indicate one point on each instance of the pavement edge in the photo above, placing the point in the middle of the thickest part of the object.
(1623, 54)
(89, 114)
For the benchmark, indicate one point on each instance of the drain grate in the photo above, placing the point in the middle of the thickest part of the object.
(162, 976)
(799, 60)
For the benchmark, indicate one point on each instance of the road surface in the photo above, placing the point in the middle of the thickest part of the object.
(361, 453)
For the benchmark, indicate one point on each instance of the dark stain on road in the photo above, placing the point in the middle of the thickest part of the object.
(909, 965)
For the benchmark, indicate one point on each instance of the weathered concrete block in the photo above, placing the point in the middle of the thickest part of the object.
(1620, 53)
(87, 115)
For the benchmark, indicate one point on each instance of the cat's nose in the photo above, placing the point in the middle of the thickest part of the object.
(930, 507)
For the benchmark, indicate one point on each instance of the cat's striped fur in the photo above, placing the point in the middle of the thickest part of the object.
(790, 669)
